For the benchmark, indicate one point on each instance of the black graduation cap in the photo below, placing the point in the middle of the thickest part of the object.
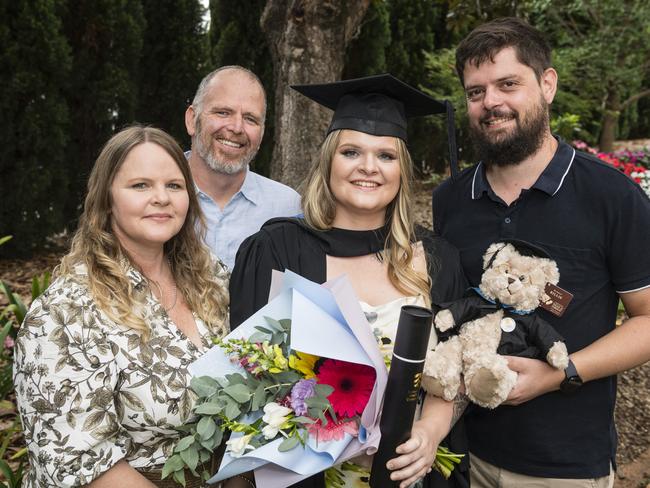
(524, 248)
(379, 105)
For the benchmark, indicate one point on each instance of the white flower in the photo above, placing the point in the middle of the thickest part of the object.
(237, 447)
(270, 432)
(275, 415)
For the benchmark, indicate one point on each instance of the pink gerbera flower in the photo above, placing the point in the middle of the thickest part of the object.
(352, 385)
(333, 431)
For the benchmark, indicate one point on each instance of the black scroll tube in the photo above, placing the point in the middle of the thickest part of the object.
(400, 399)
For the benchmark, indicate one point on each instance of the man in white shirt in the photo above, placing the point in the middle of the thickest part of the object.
(226, 123)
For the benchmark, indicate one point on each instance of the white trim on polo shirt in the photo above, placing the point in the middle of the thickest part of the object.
(636, 289)
(474, 178)
(566, 172)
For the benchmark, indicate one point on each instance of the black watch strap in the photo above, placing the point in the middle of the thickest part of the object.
(572, 380)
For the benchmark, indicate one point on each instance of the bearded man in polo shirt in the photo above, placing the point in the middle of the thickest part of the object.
(556, 428)
(226, 123)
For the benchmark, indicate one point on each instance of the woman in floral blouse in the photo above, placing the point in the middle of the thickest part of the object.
(101, 359)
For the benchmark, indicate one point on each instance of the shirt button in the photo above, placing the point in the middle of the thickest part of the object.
(507, 220)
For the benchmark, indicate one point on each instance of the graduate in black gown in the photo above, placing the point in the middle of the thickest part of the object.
(357, 221)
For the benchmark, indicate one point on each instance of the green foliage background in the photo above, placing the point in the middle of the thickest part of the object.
(75, 72)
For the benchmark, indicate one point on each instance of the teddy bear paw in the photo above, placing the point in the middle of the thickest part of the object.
(558, 356)
(444, 320)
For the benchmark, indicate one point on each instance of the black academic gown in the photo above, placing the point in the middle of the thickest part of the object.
(288, 243)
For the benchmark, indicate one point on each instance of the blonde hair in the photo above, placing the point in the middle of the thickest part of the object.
(96, 246)
(319, 208)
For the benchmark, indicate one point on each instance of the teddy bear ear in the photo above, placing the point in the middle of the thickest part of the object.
(550, 271)
(489, 254)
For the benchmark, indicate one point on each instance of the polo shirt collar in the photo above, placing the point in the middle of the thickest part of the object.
(550, 181)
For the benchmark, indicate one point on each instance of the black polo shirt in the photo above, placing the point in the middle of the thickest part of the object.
(595, 223)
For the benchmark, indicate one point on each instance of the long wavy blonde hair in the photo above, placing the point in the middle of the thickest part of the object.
(319, 207)
(96, 246)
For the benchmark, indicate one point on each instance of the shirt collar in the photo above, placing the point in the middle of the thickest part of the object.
(250, 189)
(550, 181)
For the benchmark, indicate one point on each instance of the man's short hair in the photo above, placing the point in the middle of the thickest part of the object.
(488, 39)
(201, 91)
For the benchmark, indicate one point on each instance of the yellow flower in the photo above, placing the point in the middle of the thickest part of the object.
(279, 360)
(304, 363)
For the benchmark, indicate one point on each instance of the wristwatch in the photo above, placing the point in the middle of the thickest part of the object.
(572, 380)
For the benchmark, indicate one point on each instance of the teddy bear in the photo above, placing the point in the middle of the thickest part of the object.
(494, 320)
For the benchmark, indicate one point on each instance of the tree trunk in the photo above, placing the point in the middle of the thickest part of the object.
(610, 120)
(308, 39)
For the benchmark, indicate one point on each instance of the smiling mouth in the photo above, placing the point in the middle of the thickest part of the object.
(495, 121)
(229, 143)
(365, 184)
(159, 216)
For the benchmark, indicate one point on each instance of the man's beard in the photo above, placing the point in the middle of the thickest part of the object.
(222, 166)
(513, 147)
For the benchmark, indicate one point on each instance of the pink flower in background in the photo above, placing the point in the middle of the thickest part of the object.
(9, 342)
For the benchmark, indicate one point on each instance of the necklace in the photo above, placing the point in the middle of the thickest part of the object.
(160, 291)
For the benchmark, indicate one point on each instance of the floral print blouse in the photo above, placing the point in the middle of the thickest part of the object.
(91, 392)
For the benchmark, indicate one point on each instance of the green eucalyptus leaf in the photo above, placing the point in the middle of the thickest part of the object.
(208, 408)
(174, 463)
(206, 427)
(190, 457)
(259, 397)
(179, 477)
(288, 444)
(232, 410)
(323, 390)
(303, 420)
(258, 337)
(184, 443)
(240, 393)
(274, 324)
(236, 379)
(204, 386)
(264, 330)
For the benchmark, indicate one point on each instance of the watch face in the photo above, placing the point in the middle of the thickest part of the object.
(571, 384)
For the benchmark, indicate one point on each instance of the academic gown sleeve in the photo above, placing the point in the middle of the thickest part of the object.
(279, 245)
(448, 283)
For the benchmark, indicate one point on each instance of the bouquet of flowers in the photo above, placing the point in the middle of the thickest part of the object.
(299, 385)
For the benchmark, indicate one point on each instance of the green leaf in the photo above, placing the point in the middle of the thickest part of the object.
(235, 379)
(258, 397)
(179, 477)
(303, 420)
(274, 324)
(204, 386)
(232, 410)
(174, 463)
(217, 437)
(206, 427)
(184, 443)
(240, 393)
(288, 444)
(208, 408)
(323, 390)
(264, 329)
(277, 338)
(258, 337)
(190, 457)
(4, 239)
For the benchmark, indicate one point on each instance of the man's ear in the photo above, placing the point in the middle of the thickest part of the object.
(190, 124)
(548, 84)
